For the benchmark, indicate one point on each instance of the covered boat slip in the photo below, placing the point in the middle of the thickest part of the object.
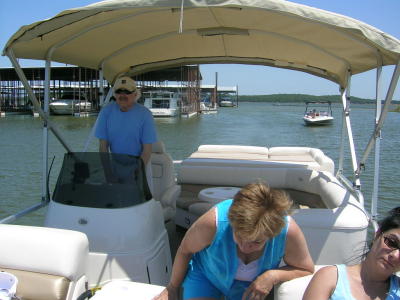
(149, 35)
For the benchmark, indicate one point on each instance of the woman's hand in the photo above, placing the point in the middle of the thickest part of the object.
(169, 293)
(260, 287)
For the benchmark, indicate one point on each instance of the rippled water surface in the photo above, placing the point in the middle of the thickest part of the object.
(258, 124)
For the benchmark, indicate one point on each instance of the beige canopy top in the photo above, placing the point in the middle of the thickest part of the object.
(136, 36)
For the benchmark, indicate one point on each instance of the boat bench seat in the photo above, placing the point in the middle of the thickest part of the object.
(304, 183)
(188, 199)
(254, 156)
(327, 212)
(49, 263)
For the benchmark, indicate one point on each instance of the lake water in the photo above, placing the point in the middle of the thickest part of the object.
(257, 124)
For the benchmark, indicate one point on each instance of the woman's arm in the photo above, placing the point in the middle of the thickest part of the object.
(322, 285)
(199, 236)
(297, 257)
(298, 263)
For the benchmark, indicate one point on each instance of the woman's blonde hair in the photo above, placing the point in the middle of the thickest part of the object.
(259, 211)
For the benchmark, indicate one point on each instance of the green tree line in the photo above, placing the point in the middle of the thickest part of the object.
(294, 98)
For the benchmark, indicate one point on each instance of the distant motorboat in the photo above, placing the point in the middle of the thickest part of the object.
(69, 104)
(226, 103)
(207, 108)
(317, 117)
(162, 103)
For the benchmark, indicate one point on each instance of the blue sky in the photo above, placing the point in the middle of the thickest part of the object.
(251, 80)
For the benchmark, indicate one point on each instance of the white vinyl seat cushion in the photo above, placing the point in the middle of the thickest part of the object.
(295, 288)
(50, 263)
(261, 157)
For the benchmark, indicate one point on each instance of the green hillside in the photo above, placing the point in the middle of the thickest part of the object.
(294, 98)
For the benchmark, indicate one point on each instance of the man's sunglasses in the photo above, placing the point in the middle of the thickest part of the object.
(124, 92)
(392, 243)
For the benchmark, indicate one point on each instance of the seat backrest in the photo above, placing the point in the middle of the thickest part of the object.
(162, 168)
(165, 188)
(49, 263)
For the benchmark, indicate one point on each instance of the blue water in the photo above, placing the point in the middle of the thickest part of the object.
(258, 124)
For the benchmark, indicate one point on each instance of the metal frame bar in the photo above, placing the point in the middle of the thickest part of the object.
(380, 116)
(383, 114)
(91, 134)
(346, 110)
(47, 124)
(22, 213)
(375, 187)
(45, 156)
(342, 139)
(35, 102)
(101, 86)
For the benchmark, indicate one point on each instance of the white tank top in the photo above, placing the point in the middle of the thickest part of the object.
(247, 272)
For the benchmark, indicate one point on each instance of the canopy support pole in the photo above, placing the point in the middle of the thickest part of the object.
(342, 139)
(91, 134)
(345, 95)
(35, 102)
(22, 213)
(45, 157)
(375, 187)
(101, 79)
(375, 139)
(383, 114)
(346, 105)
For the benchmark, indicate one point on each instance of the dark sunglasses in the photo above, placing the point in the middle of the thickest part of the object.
(392, 243)
(122, 91)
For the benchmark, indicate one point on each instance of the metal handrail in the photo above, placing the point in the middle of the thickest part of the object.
(24, 212)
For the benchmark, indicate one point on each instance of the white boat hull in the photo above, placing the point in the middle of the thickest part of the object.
(226, 104)
(321, 120)
(162, 103)
(160, 112)
(68, 107)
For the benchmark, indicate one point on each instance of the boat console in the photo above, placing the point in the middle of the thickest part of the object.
(106, 197)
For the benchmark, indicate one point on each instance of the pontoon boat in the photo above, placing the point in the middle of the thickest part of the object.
(120, 239)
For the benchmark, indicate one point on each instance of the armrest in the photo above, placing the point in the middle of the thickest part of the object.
(295, 288)
(170, 196)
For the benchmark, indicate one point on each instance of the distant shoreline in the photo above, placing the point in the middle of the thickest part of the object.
(302, 98)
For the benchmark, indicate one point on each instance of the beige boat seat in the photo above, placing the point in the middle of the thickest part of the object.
(165, 188)
(294, 289)
(329, 215)
(49, 263)
(261, 157)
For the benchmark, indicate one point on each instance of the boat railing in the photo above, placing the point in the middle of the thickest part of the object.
(24, 212)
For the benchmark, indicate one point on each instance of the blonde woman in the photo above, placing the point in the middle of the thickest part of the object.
(234, 250)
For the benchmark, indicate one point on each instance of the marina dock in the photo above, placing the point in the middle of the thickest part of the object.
(84, 84)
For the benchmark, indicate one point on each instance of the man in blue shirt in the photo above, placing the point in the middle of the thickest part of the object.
(125, 126)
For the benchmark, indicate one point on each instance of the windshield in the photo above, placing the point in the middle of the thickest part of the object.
(101, 180)
(160, 103)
